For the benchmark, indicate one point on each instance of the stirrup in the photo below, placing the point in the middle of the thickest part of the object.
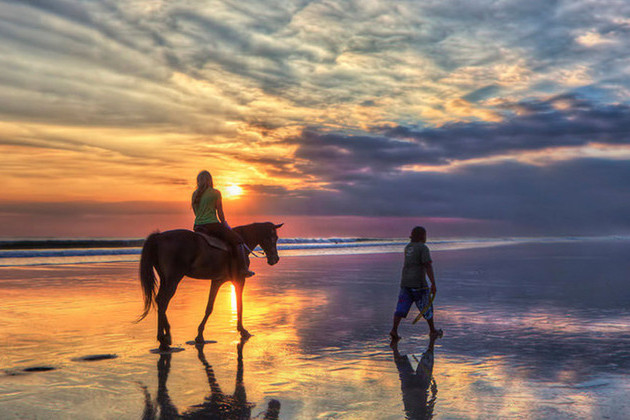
(246, 273)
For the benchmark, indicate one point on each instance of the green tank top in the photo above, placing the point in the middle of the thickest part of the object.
(206, 211)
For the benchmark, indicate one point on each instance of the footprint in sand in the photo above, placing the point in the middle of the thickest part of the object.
(29, 370)
(38, 369)
(194, 343)
(169, 351)
(95, 357)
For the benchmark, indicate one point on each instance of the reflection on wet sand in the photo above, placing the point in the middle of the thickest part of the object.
(521, 343)
(217, 405)
(419, 389)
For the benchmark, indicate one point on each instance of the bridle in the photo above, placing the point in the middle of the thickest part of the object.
(262, 254)
(255, 254)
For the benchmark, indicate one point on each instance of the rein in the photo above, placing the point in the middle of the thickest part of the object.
(251, 251)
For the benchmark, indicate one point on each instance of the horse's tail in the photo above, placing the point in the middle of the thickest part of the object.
(147, 275)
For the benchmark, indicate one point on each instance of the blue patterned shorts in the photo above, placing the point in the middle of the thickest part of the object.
(409, 295)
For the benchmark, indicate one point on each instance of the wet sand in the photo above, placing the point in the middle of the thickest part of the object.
(531, 331)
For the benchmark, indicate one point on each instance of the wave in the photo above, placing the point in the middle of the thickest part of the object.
(17, 252)
(328, 240)
(59, 250)
(24, 244)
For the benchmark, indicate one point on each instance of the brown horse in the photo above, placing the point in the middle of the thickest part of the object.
(178, 253)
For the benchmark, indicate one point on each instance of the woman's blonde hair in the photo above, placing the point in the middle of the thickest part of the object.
(204, 181)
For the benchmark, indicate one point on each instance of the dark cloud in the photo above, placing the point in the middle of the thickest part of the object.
(569, 197)
(365, 175)
(563, 121)
(336, 157)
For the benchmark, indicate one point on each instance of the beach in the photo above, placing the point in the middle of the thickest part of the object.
(531, 330)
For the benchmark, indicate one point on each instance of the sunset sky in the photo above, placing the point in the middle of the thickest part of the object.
(338, 117)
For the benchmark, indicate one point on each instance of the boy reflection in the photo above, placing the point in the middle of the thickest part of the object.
(419, 390)
(217, 405)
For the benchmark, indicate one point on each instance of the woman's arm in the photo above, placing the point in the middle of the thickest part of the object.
(220, 210)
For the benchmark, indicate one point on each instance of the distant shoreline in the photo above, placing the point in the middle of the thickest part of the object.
(287, 243)
(49, 251)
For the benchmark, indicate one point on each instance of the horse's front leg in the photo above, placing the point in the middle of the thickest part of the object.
(214, 289)
(239, 285)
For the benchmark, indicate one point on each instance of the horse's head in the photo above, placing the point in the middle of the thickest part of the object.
(268, 241)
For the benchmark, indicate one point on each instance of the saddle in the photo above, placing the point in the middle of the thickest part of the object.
(214, 242)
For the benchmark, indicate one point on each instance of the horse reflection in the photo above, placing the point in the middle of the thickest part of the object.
(217, 405)
(419, 390)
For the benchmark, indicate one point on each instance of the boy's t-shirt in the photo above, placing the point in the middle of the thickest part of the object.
(414, 272)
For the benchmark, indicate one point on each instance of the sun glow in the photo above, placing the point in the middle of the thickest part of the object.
(233, 191)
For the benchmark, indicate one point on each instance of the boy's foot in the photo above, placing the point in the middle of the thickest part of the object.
(247, 273)
(394, 336)
(436, 333)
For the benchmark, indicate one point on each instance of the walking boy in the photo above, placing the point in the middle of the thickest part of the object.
(413, 283)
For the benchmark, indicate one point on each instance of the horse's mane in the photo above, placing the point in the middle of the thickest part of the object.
(252, 231)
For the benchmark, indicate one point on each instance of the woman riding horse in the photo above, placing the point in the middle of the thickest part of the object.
(177, 253)
(207, 205)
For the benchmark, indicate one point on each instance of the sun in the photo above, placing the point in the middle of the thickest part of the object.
(233, 191)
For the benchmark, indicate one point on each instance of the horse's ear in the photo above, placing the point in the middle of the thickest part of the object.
(279, 226)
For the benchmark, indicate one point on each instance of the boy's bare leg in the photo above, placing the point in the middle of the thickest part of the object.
(394, 332)
(433, 332)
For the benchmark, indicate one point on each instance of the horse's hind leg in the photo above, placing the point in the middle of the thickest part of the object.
(214, 289)
(166, 292)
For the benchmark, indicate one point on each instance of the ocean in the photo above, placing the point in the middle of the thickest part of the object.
(52, 251)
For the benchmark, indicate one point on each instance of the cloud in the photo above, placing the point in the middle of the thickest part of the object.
(116, 63)
(310, 54)
(571, 197)
(368, 174)
(338, 102)
(565, 121)
(91, 208)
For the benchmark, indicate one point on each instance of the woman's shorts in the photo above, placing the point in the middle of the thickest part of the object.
(220, 231)
(409, 295)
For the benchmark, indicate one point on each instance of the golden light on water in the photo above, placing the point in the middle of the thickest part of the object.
(233, 298)
(300, 350)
